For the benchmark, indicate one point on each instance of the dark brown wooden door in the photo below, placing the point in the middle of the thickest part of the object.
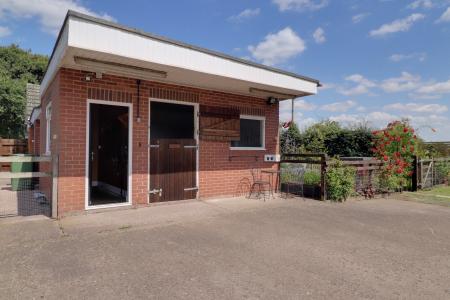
(173, 169)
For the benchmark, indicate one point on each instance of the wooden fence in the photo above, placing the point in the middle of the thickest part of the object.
(13, 146)
(366, 168)
(10, 147)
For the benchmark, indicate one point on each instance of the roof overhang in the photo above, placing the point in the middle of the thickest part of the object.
(34, 116)
(92, 44)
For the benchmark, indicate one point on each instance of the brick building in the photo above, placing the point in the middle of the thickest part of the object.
(137, 118)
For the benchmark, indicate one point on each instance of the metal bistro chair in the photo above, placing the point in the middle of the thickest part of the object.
(259, 184)
(297, 181)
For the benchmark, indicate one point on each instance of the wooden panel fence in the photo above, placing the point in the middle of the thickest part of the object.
(13, 146)
(366, 168)
(10, 147)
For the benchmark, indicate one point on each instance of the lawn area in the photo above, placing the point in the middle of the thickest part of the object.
(438, 195)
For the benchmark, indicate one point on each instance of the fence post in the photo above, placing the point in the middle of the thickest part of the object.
(55, 162)
(323, 168)
(414, 177)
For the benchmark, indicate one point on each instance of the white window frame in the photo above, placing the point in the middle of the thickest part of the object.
(263, 133)
(48, 131)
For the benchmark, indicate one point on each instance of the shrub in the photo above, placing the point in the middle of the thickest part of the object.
(340, 181)
(396, 146)
(385, 182)
(311, 178)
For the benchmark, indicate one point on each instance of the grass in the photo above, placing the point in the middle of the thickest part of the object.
(438, 195)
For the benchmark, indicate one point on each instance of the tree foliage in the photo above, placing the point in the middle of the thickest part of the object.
(328, 137)
(17, 67)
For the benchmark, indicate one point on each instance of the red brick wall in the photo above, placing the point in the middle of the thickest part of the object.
(51, 95)
(34, 141)
(218, 175)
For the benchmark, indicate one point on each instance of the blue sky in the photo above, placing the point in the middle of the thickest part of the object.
(379, 60)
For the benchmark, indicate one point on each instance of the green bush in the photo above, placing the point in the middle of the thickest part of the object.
(311, 178)
(443, 169)
(386, 182)
(340, 181)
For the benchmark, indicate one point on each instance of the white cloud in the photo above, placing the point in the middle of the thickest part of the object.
(327, 86)
(375, 118)
(417, 107)
(278, 47)
(319, 36)
(359, 17)
(445, 17)
(400, 25)
(300, 5)
(361, 108)
(299, 118)
(421, 4)
(358, 78)
(50, 13)
(304, 105)
(339, 106)
(363, 85)
(245, 14)
(400, 57)
(406, 82)
(435, 88)
(347, 119)
(299, 105)
(379, 117)
(4, 31)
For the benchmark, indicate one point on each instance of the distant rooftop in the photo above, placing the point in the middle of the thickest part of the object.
(33, 99)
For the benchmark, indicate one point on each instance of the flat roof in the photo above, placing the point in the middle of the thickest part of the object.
(173, 42)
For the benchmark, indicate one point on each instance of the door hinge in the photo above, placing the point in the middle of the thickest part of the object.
(156, 191)
(191, 146)
(191, 189)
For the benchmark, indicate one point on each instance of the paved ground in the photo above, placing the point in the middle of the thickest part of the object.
(233, 249)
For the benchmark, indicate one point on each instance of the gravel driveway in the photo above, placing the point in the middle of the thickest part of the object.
(233, 249)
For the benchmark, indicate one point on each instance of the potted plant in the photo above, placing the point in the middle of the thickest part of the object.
(311, 184)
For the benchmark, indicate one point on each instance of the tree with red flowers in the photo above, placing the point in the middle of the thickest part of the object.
(396, 146)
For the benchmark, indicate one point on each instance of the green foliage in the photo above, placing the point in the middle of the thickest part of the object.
(17, 67)
(385, 182)
(314, 137)
(328, 137)
(443, 169)
(290, 139)
(12, 106)
(350, 143)
(311, 178)
(340, 181)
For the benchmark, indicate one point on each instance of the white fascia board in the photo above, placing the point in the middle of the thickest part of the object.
(55, 61)
(85, 34)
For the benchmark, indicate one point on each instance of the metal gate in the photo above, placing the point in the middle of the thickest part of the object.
(433, 171)
(28, 185)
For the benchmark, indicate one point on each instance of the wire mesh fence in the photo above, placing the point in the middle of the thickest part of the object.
(23, 198)
(25, 186)
(432, 172)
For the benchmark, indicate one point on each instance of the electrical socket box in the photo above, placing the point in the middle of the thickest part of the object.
(271, 157)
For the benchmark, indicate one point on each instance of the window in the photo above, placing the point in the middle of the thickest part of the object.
(48, 132)
(251, 134)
